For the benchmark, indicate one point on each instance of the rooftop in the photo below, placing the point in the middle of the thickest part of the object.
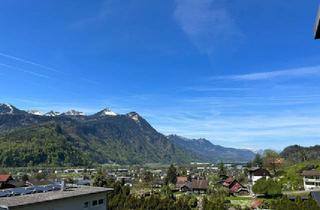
(311, 173)
(5, 177)
(23, 200)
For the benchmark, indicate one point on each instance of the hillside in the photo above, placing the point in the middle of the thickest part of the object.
(210, 152)
(72, 139)
(299, 154)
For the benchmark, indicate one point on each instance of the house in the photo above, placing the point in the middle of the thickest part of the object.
(181, 183)
(234, 187)
(5, 181)
(74, 198)
(311, 180)
(157, 183)
(254, 174)
(199, 186)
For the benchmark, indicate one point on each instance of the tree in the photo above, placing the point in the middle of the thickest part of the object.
(258, 161)
(222, 169)
(100, 179)
(286, 204)
(267, 187)
(271, 160)
(25, 178)
(171, 175)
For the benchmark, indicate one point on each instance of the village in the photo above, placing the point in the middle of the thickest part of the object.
(237, 183)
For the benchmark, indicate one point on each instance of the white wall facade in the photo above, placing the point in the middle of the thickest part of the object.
(311, 182)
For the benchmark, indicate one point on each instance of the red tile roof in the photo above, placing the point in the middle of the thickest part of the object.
(228, 181)
(182, 179)
(256, 203)
(5, 177)
(236, 187)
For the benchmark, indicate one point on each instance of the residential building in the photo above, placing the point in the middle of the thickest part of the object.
(234, 187)
(254, 174)
(199, 186)
(311, 180)
(181, 182)
(5, 181)
(75, 198)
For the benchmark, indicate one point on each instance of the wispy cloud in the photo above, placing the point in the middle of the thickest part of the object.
(41, 67)
(33, 73)
(28, 62)
(100, 15)
(288, 73)
(214, 89)
(206, 22)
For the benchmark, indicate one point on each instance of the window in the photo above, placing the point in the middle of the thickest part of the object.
(101, 201)
(94, 203)
(86, 205)
(309, 183)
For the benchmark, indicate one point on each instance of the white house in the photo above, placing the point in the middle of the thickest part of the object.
(311, 180)
(254, 174)
(76, 198)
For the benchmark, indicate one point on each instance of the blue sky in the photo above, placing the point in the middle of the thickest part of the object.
(242, 73)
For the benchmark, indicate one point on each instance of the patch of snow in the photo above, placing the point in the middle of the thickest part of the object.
(134, 116)
(73, 113)
(52, 114)
(107, 112)
(10, 107)
(35, 112)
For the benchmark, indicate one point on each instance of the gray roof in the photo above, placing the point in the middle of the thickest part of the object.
(23, 200)
(311, 173)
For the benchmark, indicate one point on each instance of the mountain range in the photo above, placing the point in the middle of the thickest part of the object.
(210, 152)
(73, 138)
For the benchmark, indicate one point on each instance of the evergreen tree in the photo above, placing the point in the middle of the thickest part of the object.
(222, 169)
(258, 161)
(171, 175)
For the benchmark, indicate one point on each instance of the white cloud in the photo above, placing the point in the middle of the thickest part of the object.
(288, 73)
(206, 23)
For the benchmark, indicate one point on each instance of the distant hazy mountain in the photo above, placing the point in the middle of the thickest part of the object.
(205, 150)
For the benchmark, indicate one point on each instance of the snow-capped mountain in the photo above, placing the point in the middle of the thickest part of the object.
(73, 113)
(9, 109)
(6, 109)
(106, 112)
(35, 112)
(52, 114)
